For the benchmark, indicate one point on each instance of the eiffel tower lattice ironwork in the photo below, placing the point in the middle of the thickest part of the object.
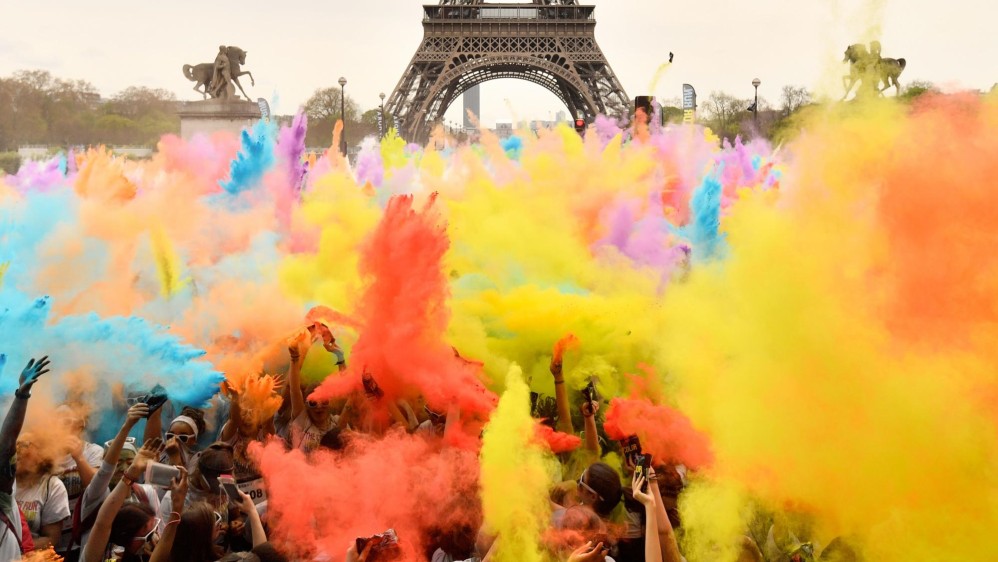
(466, 42)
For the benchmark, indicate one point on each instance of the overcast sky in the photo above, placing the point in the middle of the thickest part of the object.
(297, 46)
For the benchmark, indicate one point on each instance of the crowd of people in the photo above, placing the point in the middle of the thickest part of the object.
(113, 502)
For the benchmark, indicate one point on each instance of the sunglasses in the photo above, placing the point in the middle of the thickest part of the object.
(318, 404)
(128, 440)
(151, 534)
(184, 438)
(582, 484)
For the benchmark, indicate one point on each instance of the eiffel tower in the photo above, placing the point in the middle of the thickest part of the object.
(466, 42)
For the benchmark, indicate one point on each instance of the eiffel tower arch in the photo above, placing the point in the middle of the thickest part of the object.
(551, 43)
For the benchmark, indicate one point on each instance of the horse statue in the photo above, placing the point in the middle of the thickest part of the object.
(219, 77)
(871, 70)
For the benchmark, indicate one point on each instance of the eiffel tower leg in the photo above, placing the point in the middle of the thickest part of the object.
(552, 46)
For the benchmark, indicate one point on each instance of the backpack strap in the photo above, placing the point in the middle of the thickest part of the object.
(81, 525)
(10, 526)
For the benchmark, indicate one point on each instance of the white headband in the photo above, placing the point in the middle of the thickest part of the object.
(189, 421)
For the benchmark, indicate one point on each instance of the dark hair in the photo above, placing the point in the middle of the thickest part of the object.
(331, 440)
(197, 416)
(606, 481)
(217, 458)
(131, 518)
(194, 542)
(267, 553)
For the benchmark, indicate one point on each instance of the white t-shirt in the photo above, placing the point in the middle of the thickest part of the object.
(305, 435)
(43, 504)
(10, 543)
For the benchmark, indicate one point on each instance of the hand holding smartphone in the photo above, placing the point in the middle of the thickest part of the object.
(161, 475)
(228, 484)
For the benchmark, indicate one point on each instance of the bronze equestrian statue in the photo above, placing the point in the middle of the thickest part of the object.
(870, 69)
(220, 78)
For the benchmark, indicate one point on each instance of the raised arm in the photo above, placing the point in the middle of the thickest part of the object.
(297, 349)
(101, 531)
(666, 534)
(256, 525)
(564, 424)
(589, 409)
(231, 426)
(82, 463)
(653, 549)
(178, 494)
(97, 488)
(14, 421)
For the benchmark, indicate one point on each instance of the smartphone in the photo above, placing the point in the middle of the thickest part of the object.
(631, 448)
(161, 475)
(228, 484)
(589, 392)
(641, 466)
(156, 398)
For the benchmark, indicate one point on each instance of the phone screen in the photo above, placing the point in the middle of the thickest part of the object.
(229, 487)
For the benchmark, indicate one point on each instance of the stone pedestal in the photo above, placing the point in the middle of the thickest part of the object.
(210, 116)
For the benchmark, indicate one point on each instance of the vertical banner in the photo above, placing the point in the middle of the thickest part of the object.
(689, 104)
(398, 125)
(381, 125)
(264, 109)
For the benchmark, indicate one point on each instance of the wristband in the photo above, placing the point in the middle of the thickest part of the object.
(128, 480)
(295, 356)
(556, 381)
(22, 395)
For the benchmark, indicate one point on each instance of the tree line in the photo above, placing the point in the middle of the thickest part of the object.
(729, 116)
(41, 109)
(45, 110)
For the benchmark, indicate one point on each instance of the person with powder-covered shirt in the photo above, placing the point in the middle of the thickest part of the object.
(12, 532)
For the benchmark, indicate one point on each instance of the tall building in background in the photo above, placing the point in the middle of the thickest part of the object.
(472, 103)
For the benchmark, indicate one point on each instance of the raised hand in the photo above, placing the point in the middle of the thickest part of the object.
(150, 452)
(178, 490)
(30, 374)
(637, 483)
(245, 504)
(589, 552)
(136, 413)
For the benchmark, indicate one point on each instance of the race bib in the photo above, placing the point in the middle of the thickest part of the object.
(255, 489)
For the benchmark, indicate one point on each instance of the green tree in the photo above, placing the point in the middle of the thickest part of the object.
(724, 114)
(323, 110)
(917, 89)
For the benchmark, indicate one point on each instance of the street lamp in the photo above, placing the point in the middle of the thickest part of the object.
(755, 106)
(343, 115)
(381, 130)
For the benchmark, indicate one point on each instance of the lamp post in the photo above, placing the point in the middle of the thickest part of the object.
(382, 121)
(343, 115)
(755, 106)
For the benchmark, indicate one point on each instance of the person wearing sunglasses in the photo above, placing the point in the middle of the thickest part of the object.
(181, 436)
(204, 487)
(129, 528)
(120, 454)
(311, 419)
